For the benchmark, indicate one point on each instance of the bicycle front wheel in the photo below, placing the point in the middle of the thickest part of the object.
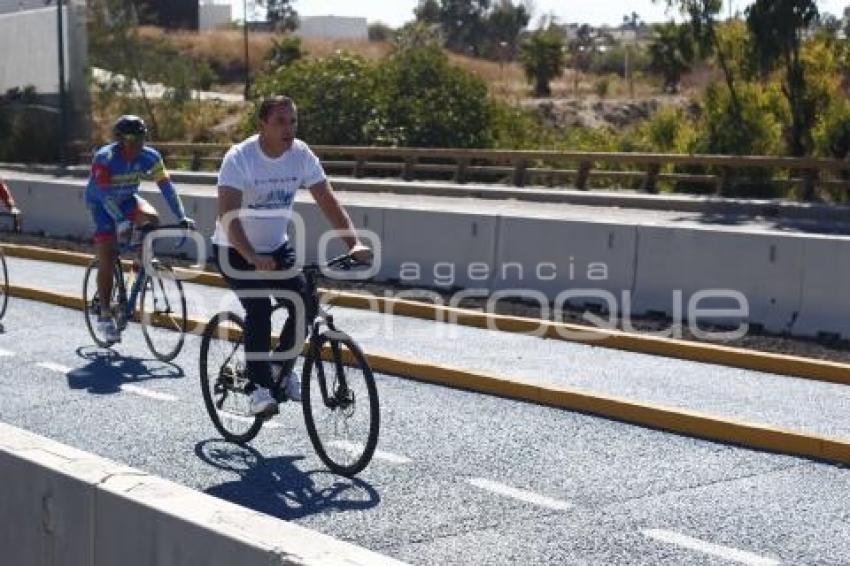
(163, 313)
(223, 379)
(340, 403)
(4, 284)
(92, 299)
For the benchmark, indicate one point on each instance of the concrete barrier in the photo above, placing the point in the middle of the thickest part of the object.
(439, 249)
(56, 208)
(767, 269)
(60, 506)
(791, 282)
(315, 224)
(552, 256)
(825, 305)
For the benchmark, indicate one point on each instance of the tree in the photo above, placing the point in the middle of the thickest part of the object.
(671, 53)
(777, 28)
(702, 15)
(335, 97)
(280, 14)
(416, 35)
(115, 43)
(427, 102)
(632, 21)
(504, 24)
(463, 24)
(542, 55)
(428, 11)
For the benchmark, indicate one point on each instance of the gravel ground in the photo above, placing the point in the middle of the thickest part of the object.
(824, 348)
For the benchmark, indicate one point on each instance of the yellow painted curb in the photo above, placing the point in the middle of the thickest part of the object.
(795, 366)
(682, 421)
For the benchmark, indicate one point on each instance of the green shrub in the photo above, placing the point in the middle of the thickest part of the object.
(336, 97)
(284, 52)
(832, 133)
(430, 103)
(28, 134)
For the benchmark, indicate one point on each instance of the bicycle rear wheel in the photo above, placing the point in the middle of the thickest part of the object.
(162, 312)
(340, 403)
(92, 299)
(223, 379)
(4, 284)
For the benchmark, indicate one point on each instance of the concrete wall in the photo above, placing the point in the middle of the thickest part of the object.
(60, 506)
(790, 283)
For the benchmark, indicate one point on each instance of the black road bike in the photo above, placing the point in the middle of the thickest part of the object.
(338, 394)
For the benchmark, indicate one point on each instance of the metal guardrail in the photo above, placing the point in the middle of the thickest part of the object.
(717, 174)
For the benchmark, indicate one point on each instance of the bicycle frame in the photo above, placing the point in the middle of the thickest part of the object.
(129, 302)
(322, 317)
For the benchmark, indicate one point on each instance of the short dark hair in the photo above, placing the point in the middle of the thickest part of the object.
(270, 103)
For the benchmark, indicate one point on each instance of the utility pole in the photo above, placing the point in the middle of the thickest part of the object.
(247, 62)
(63, 114)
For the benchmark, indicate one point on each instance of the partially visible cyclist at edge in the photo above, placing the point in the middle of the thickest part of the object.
(112, 196)
(9, 201)
(258, 176)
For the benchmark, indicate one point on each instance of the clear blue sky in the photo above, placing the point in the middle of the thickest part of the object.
(596, 12)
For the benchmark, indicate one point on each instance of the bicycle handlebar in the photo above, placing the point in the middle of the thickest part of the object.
(344, 262)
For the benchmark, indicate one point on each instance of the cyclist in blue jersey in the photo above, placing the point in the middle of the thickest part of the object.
(112, 196)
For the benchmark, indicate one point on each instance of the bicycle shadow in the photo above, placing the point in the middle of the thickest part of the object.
(106, 371)
(276, 487)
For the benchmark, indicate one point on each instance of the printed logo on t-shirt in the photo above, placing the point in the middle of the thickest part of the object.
(277, 197)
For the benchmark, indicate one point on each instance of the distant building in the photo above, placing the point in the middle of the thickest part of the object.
(9, 6)
(333, 27)
(213, 15)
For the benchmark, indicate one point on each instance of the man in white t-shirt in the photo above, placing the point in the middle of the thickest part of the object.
(256, 191)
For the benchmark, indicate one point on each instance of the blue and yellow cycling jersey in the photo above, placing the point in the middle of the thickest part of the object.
(114, 180)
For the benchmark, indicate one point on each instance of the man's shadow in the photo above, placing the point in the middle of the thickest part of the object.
(106, 371)
(275, 486)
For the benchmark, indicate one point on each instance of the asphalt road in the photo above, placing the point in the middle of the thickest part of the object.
(460, 478)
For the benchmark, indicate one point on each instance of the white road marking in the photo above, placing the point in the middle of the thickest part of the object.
(144, 392)
(126, 387)
(54, 367)
(521, 494)
(380, 455)
(248, 420)
(725, 552)
(5, 353)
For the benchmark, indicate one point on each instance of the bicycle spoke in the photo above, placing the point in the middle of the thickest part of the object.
(341, 409)
(223, 380)
(163, 313)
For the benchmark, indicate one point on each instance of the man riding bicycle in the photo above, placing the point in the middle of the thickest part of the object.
(256, 192)
(112, 196)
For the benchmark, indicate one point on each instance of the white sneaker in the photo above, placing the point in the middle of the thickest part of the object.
(262, 403)
(106, 328)
(293, 386)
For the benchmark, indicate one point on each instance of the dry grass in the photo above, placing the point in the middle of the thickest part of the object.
(226, 48)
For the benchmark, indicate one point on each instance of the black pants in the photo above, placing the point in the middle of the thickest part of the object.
(258, 309)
